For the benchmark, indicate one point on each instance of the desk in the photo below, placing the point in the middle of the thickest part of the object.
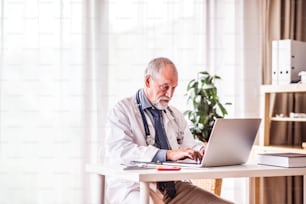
(144, 176)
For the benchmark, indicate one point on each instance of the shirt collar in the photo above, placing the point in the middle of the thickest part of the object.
(144, 101)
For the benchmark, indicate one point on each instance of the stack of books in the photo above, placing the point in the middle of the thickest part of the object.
(282, 159)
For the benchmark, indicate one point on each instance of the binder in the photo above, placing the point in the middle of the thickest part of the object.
(287, 61)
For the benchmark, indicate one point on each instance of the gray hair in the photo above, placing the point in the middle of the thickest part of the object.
(156, 64)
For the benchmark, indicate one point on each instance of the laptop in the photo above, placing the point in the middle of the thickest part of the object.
(230, 143)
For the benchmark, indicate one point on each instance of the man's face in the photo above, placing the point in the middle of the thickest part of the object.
(161, 86)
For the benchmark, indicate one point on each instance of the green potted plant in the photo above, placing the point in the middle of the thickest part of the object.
(203, 99)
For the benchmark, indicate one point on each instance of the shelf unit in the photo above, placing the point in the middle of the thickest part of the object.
(267, 92)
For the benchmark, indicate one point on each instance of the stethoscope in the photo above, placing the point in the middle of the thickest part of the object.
(149, 139)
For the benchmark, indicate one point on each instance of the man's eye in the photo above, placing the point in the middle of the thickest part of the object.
(164, 87)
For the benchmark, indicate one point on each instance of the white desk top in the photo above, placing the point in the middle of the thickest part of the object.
(153, 175)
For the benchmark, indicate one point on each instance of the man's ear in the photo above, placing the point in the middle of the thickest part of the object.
(147, 81)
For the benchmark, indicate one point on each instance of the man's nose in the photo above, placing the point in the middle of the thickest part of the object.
(170, 92)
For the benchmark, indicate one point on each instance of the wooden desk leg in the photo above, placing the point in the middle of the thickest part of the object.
(254, 188)
(103, 189)
(304, 189)
(144, 193)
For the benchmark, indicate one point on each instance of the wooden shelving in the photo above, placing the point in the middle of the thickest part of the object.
(287, 119)
(283, 88)
(268, 91)
(275, 149)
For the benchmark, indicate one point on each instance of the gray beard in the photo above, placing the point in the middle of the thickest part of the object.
(159, 106)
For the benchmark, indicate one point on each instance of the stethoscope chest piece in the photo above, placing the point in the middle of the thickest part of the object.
(150, 140)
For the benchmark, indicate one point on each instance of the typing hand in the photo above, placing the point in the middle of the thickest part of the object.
(200, 154)
(199, 157)
(179, 154)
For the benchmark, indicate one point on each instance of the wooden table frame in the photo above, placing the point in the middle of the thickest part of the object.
(145, 176)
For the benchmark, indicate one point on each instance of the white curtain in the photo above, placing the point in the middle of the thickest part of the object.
(64, 63)
(53, 85)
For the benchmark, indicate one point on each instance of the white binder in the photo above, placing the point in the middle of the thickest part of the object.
(288, 59)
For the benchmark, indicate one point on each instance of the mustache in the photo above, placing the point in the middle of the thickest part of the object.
(164, 98)
(161, 106)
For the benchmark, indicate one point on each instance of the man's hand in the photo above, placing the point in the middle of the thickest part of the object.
(200, 153)
(179, 154)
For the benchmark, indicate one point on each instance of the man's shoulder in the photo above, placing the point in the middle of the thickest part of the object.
(174, 110)
(128, 99)
(125, 103)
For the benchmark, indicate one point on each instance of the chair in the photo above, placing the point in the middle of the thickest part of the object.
(212, 185)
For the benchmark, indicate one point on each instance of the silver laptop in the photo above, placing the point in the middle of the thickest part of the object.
(230, 143)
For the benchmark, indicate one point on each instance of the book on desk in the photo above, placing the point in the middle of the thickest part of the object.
(286, 159)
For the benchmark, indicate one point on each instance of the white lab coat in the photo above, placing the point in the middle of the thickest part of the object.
(126, 141)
